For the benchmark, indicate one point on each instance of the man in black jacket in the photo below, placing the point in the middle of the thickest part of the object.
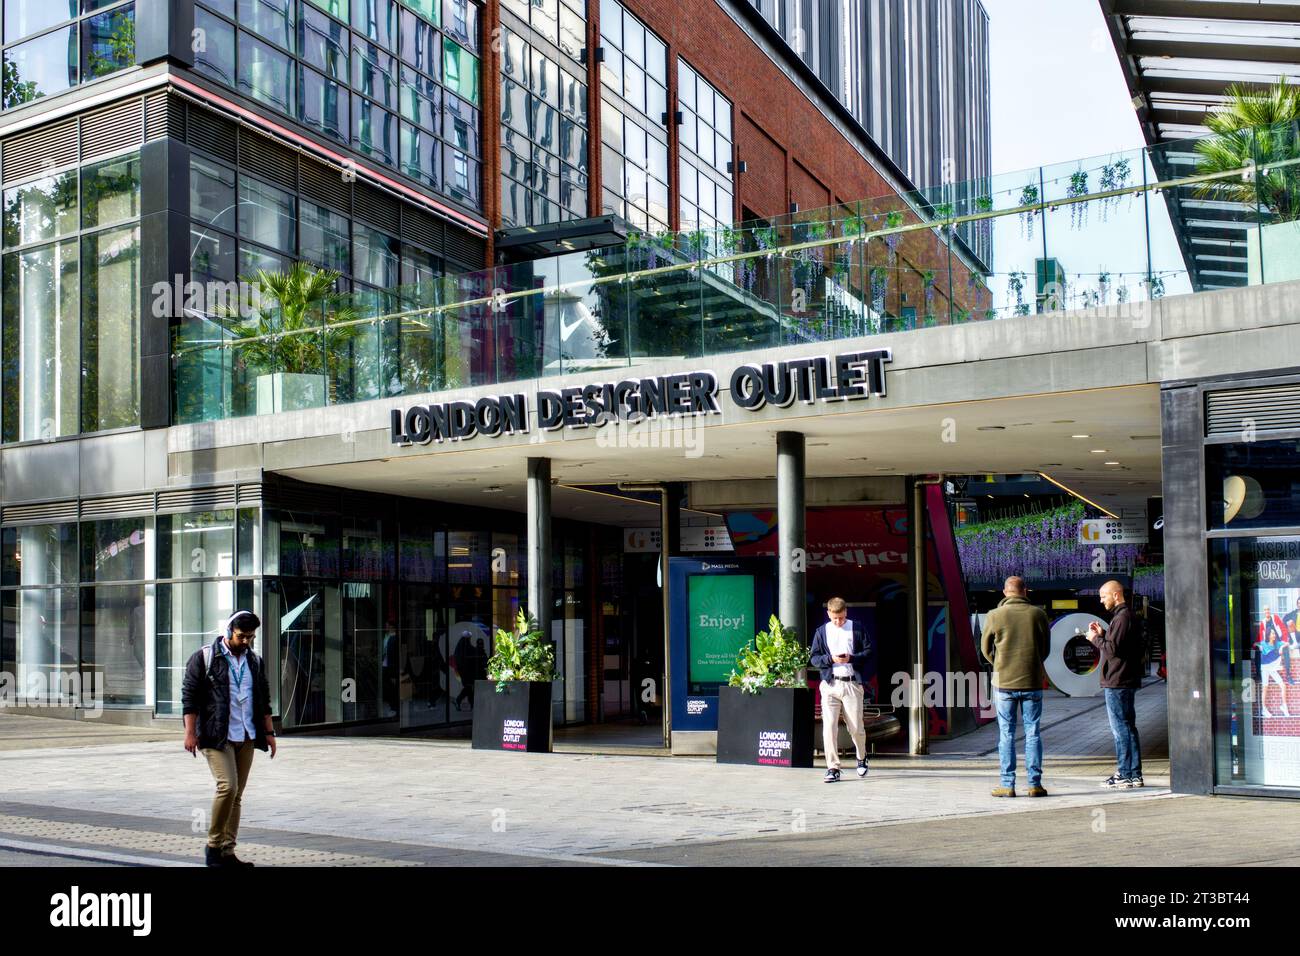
(1121, 675)
(840, 651)
(226, 702)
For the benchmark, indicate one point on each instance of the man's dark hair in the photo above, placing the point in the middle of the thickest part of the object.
(244, 621)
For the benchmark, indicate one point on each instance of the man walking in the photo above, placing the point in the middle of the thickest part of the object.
(1121, 676)
(1015, 640)
(226, 702)
(840, 651)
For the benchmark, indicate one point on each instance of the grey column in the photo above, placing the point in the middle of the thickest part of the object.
(792, 557)
(917, 725)
(670, 543)
(1187, 623)
(539, 542)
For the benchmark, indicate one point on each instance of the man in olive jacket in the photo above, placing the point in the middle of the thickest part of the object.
(1015, 639)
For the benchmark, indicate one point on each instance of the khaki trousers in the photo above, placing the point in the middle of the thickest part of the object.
(842, 697)
(230, 767)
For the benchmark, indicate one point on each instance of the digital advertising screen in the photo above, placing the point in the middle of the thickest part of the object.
(721, 621)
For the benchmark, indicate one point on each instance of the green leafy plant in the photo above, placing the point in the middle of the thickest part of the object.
(776, 659)
(522, 655)
(1254, 127)
(293, 302)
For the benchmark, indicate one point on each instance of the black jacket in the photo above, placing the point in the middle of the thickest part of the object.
(1122, 649)
(208, 696)
(821, 657)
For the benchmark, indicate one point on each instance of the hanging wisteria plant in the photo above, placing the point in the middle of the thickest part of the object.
(1016, 286)
(879, 286)
(1028, 197)
(1114, 176)
(1043, 545)
(1077, 189)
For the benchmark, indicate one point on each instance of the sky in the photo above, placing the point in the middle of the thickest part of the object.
(1056, 86)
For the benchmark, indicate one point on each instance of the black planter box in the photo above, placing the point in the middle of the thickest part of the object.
(518, 718)
(773, 728)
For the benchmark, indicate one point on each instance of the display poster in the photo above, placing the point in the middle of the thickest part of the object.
(721, 608)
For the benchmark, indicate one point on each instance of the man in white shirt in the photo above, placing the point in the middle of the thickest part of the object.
(840, 651)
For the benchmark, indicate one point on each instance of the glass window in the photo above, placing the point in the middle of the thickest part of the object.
(573, 33)
(189, 616)
(374, 130)
(113, 637)
(425, 8)
(420, 45)
(375, 257)
(423, 679)
(41, 342)
(460, 125)
(460, 176)
(467, 557)
(212, 194)
(40, 554)
(370, 653)
(114, 549)
(253, 260)
(265, 73)
(41, 210)
(460, 70)
(23, 17)
(420, 103)
(200, 544)
(324, 44)
(1255, 647)
(460, 20)
(40, 67)
(367, 556)
(110, 289)
(324, 105)
(325, 237)
(308, 545)
(40, 630)
(272, 19)
(302, 650)
(1253, 484)
(212, 255)
(108, 42)
(376, 19)
(419, 154)
(337, 8)
(214, 47)
(374, 73)
(110, 191)
(266, 214)
(249, 531)
(422, 554)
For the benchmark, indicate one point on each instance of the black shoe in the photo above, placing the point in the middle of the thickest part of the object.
(229, 859)
(212, 856)
(862, 767)
(832, 776)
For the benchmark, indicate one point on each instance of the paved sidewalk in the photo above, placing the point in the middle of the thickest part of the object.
(366, 801)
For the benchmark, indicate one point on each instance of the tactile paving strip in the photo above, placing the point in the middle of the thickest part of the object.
(119, 838)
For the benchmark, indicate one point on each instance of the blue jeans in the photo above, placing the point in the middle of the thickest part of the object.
(1124, 728)
(1029, 704)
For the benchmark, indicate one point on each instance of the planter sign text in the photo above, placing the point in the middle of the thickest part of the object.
(850, 376)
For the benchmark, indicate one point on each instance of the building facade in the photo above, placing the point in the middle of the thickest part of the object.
(153, 151)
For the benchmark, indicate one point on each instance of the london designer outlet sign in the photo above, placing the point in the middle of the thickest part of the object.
(850, 376)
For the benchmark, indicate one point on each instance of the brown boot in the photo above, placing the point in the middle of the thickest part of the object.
(1037, 791)
(1004, 791)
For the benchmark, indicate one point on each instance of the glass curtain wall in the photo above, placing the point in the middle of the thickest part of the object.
(398, 82)
(543, 112)
(51, 47)
(71, 304)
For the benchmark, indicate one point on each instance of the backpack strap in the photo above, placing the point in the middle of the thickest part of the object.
(207, 658)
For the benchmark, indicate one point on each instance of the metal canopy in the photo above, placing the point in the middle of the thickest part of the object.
(1178, 57)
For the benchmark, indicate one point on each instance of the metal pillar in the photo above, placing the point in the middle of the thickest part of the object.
(670, 542)
(917, 726)
(539, 542)
(792, 556)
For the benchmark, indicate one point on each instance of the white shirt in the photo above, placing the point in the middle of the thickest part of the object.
(839, 640)
(240, 674)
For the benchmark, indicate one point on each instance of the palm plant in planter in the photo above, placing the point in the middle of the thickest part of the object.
(1256, 130)
(512, 708)
(295, 337)
(765, 713)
